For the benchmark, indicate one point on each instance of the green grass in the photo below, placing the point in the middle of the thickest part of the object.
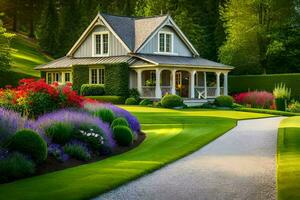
(26, 55)
(288, 159)
(171, 134)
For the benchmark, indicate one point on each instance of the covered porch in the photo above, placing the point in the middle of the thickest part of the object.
(196, 83)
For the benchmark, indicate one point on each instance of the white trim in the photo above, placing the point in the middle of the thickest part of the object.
(98, 74)
(87, 31)
(165, 42)
(177, 29)
(101, 33)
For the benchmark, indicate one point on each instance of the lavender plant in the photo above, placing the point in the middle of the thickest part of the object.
(119, 112)
(57, 152)
(77, 119)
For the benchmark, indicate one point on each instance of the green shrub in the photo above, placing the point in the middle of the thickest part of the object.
(15, 166)
(280, 104)
(77, 151)
(131, 101)
(80, 76)
(120, 121)
(146, 102)
(134, 93)
(157, 104)
(109, 99)
(30, 143)
(92, 135)
(224, 101)
(294, 107)
(40, 103)
(244, 83)
(123, 135)
(116, 79)
(281, 91)
(60, 132)
(105, 115)
(92, 90)
(171, 101)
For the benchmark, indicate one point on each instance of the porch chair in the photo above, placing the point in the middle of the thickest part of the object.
(201, 94)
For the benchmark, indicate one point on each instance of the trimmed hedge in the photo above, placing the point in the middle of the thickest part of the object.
(109, 99)
(43, 75)
(80, 76)
(12, 78)
(131, 101)
(224, 101)
(92, 89)
(171, 101)
(267, 111)
(117, 79)
(244, 83)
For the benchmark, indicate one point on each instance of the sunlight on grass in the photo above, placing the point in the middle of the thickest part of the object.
(171, 135)
(288, 159)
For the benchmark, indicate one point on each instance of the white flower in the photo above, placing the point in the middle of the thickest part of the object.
(88, 134)
(92, 129)
(81, 131)
(96, 135)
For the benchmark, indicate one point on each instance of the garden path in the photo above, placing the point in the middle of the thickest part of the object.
(240, 164)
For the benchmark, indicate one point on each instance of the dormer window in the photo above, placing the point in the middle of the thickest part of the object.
(165, 42)
(100, 44)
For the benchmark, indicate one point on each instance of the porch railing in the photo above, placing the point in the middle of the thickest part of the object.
(148, 91)
(165, 90)
(211, 92)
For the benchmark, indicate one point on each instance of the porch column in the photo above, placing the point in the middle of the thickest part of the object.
(225, 83)
(218, 83)
(157, 84)
(205, 86)
(192, 84)
(173, 84)
(139, 81)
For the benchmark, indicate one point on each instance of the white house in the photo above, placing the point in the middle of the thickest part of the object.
(154, 48)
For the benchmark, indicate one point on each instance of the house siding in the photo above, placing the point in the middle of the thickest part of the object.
(115, 46)
(180, 47)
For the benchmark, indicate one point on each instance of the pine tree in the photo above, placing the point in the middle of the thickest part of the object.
(48, 30)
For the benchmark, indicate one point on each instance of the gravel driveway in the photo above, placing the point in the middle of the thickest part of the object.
(238, 165)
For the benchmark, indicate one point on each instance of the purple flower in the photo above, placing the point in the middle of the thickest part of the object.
(119, 112)
(76, 118)
(10, 123)
(58, 152)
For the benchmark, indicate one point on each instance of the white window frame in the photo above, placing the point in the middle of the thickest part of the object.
(165, 42)
(62, 77)
(102, 46)
(98, 75)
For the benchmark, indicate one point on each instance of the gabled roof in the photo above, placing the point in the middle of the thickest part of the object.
(132, 32)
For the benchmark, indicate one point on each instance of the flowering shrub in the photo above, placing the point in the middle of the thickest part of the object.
(76, 119)
(10, 123)
(294, 106)
(119, 112)
(57, 152)
(33, 98)
(255, 99)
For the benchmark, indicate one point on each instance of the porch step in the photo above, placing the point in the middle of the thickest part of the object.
(196, 102)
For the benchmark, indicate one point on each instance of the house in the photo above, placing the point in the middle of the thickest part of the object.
(149, 49)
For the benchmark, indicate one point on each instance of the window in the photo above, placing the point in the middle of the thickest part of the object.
(67, 77)
(60, 77)
(49, 78)
(97, 76)
(165, 42)
(100, 42)
(152, 76)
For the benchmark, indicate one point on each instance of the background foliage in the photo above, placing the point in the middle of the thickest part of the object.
(244, 83)
(255, 36)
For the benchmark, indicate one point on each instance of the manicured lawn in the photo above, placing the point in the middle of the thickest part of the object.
(171, 134)
(288, 159)
(26, 55)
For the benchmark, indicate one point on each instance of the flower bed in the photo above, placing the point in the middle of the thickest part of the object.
(71, 133)
(255, 99)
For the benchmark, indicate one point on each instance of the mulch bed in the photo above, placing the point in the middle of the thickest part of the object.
(51, 164)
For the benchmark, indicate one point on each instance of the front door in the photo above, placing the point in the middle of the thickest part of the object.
(182, 83)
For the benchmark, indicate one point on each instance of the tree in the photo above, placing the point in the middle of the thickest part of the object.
(49, 27)
(251, 36)
(4, 48)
